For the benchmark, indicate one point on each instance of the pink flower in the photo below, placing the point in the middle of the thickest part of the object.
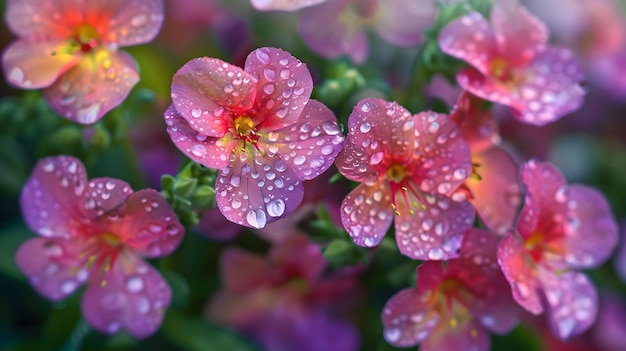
(561, 229)
(70, 49)
(512, 64)
(493, 186)
(283, 5)
(409, 165)
(337, 27)
(96, 232)
(258, 127)
(454, 303)
(285, 301)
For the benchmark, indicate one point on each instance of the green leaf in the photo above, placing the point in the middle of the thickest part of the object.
(180, 287)
(10, 239)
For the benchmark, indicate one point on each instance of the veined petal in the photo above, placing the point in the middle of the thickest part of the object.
(242, 272)
(209, 93)
(36, 64)
(131, 296)
(255, 190)
(379, 133)
(51, 198)
(432, 228)
(366, 213)
(208, 151)
(408, 318)
(470, 39)
(284, 86)
(497, 194)
(478, 126)
(146, 223)
(52, 266)
(519, 34)
(103, 195)
(42, 19)
(402, 22)
(99, 83)
(310, 145)
(283, 5)
(573, 302)
(131, 22)
(467, 335)
(522, 278)
(591, 232)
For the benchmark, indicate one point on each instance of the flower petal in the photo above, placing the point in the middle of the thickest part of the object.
(497, 194)
(37, 19)
(208, 93)
(255, 190)
(147, 224)
(550, 87)
(208, 151)
(573, 302)
(408, 318)
(99, 83)
(519, 34)
(283, 5)
(478, 126)
(132, 22)
(131, 296)
(103, 195)
(243, 272)
(470, 39)
(52, 266)
(467, 335)
(310, 145)
(51, 198)
(431, 229)
(34, 65)
(283, 89)
(300, 256)
(592, 232)
(366, 213)
(513, 261)
(484, 86)
(402, 22)
(379, 132)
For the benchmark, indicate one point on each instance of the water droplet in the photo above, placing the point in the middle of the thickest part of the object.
(331, 128)
(68, 286)
(269, 88)
(262, 56)
(376, 158)
(256, 218)
(228, 88)
(48, 166)
(392, 335)
(143, 306)
(235, 180)
(196, 112)
(444, 188)
(16, 75)
(433, 127)
(459, 174)
(276, 208)
(435, 254)
(52, 249)
(172, 230)
(198, 150)
(369, 241)
(299, 160)
(365, 127)
(282, 113)
(285, 73)
(269, 74)
(139, 20)
(134, 284)
(366, 107)
(560, 195)
(326, 150)
(110, 185)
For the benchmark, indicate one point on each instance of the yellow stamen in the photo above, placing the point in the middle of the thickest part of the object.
(244, 125)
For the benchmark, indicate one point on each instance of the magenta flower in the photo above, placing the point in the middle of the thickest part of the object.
(454, 303)
(258, 127)
(96, 231)
(561, 228)
(512, 64)
(409, 165)
(283, 5)
(71, 51)
(493, 186)
(337, 27)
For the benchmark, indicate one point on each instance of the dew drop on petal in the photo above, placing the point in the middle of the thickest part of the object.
(256, 218)
(276, 208)
(365, 127)
(366, 107)
(393, 334)
(369, 242)
(235, 180)
(435, 254)
(299, 160)
(196, 112)
(134, 284)
(198, 150)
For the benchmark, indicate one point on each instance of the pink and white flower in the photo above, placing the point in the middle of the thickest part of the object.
(96, 232)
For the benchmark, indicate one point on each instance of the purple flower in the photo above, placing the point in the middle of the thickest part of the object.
(258, 127)
(96, 231)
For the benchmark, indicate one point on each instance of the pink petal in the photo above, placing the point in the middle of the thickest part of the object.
(208, 151)
(131, 296)
(366, 213)
(431, 229)
(298, 255)
(470, 39)
(408, 318)
(514, 263)
(147, 224)
(444, 155)
(34, 65)
(467, 335)
(484, 86)
(549, 88)
(132, 22)
(592, 232)
(99, 83)
(103, 195)
(478, 126)
(497, 195)
(51, 198)
(37, 19)
(310, 145)
(283, 89)
(546, 195)
(379, 132)
(209, 93)
(431, 274)
(283, 5)
(573, 302)
(243, 272)
(402, 22)
(519, 34)
(52, 266)
(255, 190)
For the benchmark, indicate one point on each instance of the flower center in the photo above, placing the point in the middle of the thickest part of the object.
(499, 69)
(86, 37)
(244, 125)
(101, 252)
(396, 175)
